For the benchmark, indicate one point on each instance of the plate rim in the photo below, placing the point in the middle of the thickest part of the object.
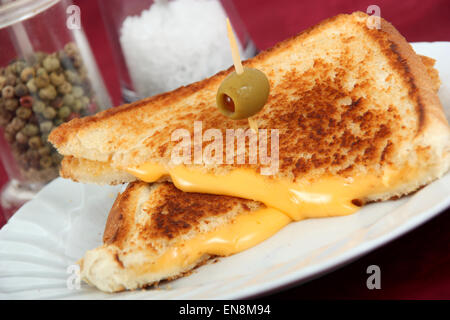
(352, 255)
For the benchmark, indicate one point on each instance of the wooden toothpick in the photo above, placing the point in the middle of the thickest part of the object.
(238, 66)
(234, 49)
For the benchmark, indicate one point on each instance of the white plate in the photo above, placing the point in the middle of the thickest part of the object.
(65, 219)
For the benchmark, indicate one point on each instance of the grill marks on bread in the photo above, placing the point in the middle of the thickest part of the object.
(177, 212)
(167, 212)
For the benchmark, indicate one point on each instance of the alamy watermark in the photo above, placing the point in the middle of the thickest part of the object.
(234, 144)
(73, 17)
(73, 281)
(374, 21)
(374, 280)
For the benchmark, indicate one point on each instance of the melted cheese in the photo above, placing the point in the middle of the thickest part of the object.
(330, 196)
(101, 267)
(286, 201)
(245, 231)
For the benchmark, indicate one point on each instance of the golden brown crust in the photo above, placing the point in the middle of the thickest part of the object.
(169, 212)
(415, 75)
(120, 218)
(115, 219)
(67, 165)
(114, 222)
(432, 72)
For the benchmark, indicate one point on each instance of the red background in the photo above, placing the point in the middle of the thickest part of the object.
(416, 266)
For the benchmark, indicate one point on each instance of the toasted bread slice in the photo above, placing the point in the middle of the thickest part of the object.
(102, 173)
(348, 101)
(156, 232)
(432, 72)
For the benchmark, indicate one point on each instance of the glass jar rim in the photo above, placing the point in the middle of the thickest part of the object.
(12, 12)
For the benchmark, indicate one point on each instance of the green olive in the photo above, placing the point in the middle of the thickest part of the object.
(242, 95)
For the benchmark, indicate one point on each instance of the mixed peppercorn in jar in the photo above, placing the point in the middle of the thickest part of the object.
(37, 95)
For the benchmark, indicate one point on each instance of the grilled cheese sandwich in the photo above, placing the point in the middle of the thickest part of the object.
(359, 121)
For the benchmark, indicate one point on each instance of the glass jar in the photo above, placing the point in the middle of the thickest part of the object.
(161, 45)
(48, 76)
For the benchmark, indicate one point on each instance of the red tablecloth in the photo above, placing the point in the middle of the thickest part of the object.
(416, 266)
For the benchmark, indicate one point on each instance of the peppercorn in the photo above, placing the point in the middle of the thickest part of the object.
(57, 103)
(82, 71)
(72, 76)
(30, 130)
(44, 151)
(21, 137)
(68, 99)
(24, 113)
(20, 90)
(10, 80)
(34, 164)
(9, 137)
(35, 142)
(49, 92)
(42, 81)
(31, 85)
(57, 122)
(77, 91)
(77, 105)
(8, 92)
(18, 147)
(9, 69)
(11, 104)
(32, 154)
(49, 113)
(39, 57)
(38, 106)
(34, 120)
(17, 123)
(66, 61)
(27, 74)
(56, 157)
(44, 138)
(22, 160)
(64, 112)
(10, 128)
(19, 66)
(71, 49)
(65, 88)
(46, 126)
(92, 108)
(57, 78)
(77, 61)
(26, 101)
(41, 72)
(51, 63)
(46, 162)
(2, 82)
(84, 101)
(5, 117)
(73, 115)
